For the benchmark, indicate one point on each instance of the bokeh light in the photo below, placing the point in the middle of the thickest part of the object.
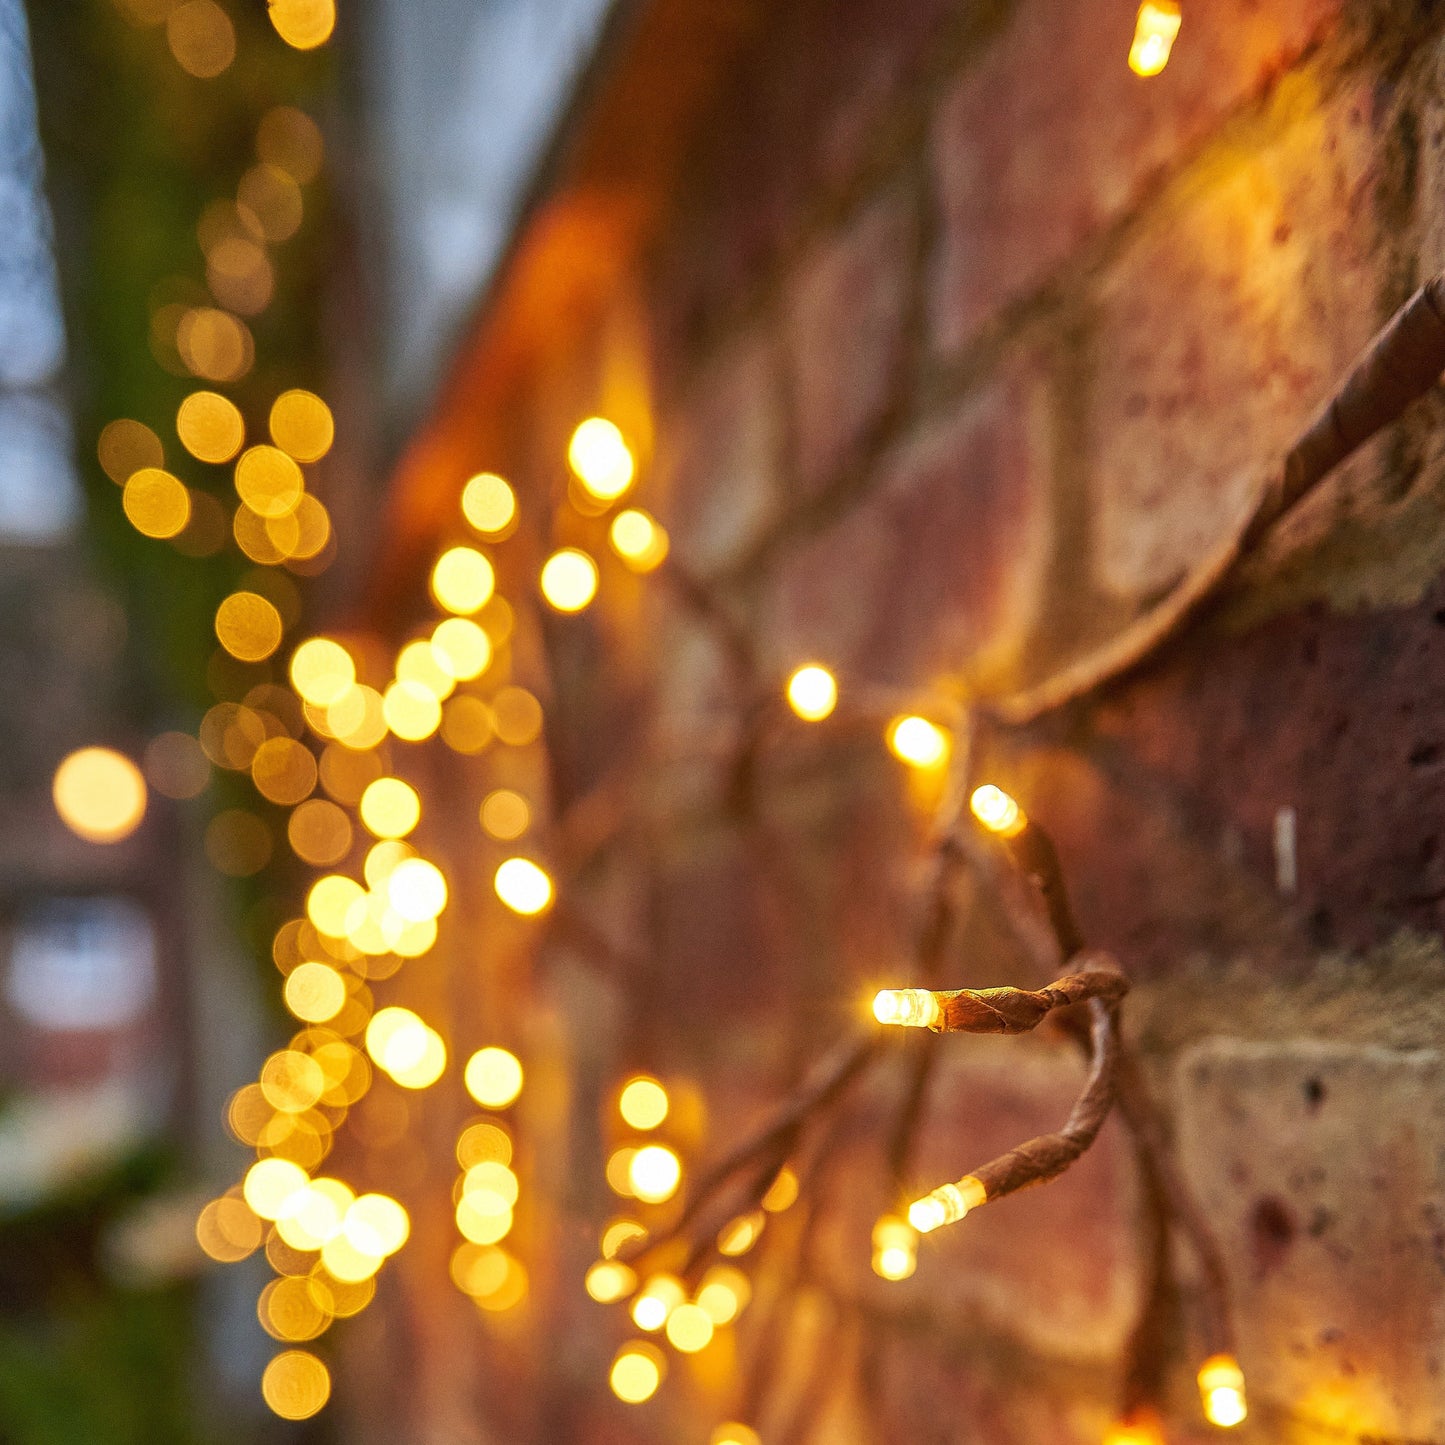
(636, 1372)
(523, 886)
(918, 742)
(643, 1102)
(569, 579)
(812, 692)
(462, 581)
(390, 808)
(600, 459)
(210, 427)
(156, 503)
(494, 1077)
(638, 539)
(302, 425)
(304, 24)
(100, 794)
(296, 1385)
(489, 504)
(654, 1173)
(248, 626)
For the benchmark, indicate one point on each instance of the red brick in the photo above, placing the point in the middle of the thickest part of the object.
(1221, 330)
(846, 336)
(1334, 715)
(1048, 136)
(936, 574)
(718, 471)
(1320, 1167)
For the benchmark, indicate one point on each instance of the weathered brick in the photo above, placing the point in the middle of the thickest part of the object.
(721, 453)
(936, 574)
(1048, 136)
(1320, 1167)
(1223, 327)
(845, 336)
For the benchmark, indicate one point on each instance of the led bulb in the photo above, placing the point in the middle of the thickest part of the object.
(946, 1205)
(997, 811)
(1154, 33)
(918, 742)
(914, 1008)
(1221, 1388)
(812, 692)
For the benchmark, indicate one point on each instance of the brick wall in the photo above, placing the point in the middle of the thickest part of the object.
(958, 342)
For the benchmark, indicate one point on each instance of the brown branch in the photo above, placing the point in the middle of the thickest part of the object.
(1400, 366)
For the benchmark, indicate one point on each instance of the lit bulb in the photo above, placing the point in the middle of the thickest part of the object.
(1221, 1388)
(599, 456)
(608, 1281)
(636, 1372)
(917, 742)
(947, 1204)
(895, 1248)
(1154, 33)
(523, 886)
(637, 538)
(654, 1173)
(997, 811)
(643, 1103)
(812, 692)
(689, 1329)
(662, 1294)
(569, 579)
(914, 1008)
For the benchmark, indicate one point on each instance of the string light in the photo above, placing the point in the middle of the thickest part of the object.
(390, 808)
(636, 1372)
(608, 1281)
(643, 1103)
(689, 1329)
(322, 671)
(494, 1077)
(946, 1205)
(463, 581)
(997, 811)
(489, 504)
(724, 1293)
(895, 1248)
(600, 459)
(918, 742)
(812, 692)
(657, 1299)
(1221, 1389)
(639, 539)
(523, 886)
(654, 1173)
(915, 1008)
(569, 579)
(1155, 29)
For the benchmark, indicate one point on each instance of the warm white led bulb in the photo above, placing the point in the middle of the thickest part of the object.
(947, 1204)
(997, 811)
(914, 1008)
